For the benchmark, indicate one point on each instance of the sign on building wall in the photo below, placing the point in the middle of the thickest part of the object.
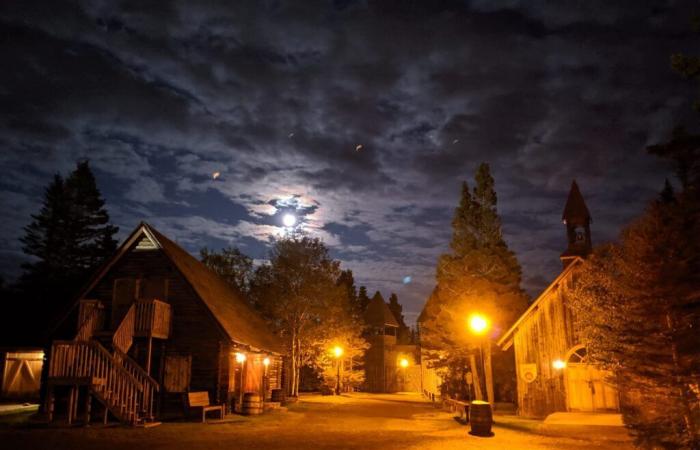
(528, 372)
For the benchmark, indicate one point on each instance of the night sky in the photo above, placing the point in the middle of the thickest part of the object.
(279, 96)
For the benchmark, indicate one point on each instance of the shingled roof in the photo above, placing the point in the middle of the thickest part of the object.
(378, 314)
(241, 323)
(576, 211)
(237, 319)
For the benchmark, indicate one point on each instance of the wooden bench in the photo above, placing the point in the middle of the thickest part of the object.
(201, 400)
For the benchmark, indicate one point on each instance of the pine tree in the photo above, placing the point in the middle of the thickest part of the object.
(638, 307)
(362, 300)
(68, 239)
(403, 335)
(479, 275)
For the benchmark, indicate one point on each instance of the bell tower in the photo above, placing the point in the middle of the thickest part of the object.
(578, 226)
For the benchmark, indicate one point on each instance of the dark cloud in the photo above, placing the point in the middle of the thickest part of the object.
(277, 96)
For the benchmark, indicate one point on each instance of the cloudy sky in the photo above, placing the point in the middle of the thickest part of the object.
(278, 96)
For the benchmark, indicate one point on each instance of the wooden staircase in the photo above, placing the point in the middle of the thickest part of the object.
(114, 379)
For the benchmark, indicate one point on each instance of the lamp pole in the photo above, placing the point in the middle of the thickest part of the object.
(337, 352)
(479, 325)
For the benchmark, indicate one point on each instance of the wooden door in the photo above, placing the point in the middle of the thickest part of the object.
(22, 374)
(123, 296)
(588, 390)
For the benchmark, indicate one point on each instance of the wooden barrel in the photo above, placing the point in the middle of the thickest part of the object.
(480, 418)
(277, 396)
(252, 404)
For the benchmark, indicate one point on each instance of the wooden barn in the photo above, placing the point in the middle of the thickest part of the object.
(153, 324)
(551, 363)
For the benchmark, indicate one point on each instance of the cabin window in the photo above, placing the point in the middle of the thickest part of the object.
(177, 373)
(580, 355)
(153, 287)
(122, 297)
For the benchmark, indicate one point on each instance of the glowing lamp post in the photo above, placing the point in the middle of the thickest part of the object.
(479, 325)
(337, 353)
(240, 358)
(403, 363)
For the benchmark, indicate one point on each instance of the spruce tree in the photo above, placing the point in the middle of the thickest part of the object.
(403, 335)
(637, 305)
(480, 274)
(362, 300)
(67, 240)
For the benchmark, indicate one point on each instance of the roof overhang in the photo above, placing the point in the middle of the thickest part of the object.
(506, 341)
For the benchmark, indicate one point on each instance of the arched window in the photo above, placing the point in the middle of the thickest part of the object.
(578, 355)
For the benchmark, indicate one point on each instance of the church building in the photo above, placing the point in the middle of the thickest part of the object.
(553, 373)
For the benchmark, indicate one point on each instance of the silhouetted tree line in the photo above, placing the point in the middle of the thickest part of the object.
(66, 241)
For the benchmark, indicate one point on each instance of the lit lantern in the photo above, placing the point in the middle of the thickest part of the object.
(558, 364)
(338, 351)
(266, 361)
(240, 358)
(403, 362)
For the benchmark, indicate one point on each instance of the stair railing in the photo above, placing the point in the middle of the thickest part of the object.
(124, 334)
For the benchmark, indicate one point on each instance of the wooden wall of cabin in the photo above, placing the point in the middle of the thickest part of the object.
(195, 332)
(545, 336)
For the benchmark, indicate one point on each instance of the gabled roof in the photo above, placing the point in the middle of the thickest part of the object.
(378, 314)
(507, 339)
(576, 211)
(238, 320)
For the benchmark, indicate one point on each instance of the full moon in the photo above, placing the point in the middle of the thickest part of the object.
(289, 220)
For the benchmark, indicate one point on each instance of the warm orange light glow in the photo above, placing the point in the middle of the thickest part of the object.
(338, 351)
(403, 362)
(240, 357)
(266, 361)
(558, 364)
(478, 324)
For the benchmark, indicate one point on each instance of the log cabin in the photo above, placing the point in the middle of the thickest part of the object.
(553, 372)
(152, 325)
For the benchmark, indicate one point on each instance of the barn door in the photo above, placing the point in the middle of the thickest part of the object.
(587, 388)
(21, 377)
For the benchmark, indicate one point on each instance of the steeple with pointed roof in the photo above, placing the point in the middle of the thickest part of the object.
(577, 219)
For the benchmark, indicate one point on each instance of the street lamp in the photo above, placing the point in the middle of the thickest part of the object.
(240, 358)
(479, 325)
(403, 363)
(337, 352)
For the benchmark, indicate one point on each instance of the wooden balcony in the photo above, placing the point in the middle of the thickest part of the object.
(152, 319)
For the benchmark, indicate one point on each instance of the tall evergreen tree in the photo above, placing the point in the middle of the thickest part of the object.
(638, 307)
(68, 238)
(362, 300)
(480, 274)
(403, 335)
